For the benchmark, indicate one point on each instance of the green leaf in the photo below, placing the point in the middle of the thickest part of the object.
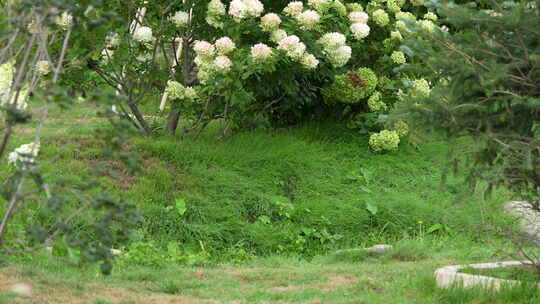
(434, 228)
(180, 205)
(372, 208)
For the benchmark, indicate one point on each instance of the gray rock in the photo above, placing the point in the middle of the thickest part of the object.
(529, 219)
(378, 248)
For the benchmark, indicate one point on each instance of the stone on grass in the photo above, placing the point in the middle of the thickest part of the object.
(529, 219)
(449, 276)
(378, 248)
(21, 289)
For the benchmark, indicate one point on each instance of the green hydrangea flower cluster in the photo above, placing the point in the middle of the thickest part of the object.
(351, 87)
(420, 88)
(176, 90)
(355, 7)
(380, 17)
(393, 6)
(385, 140)
(398, 57)
(375, 103)
(402, 128)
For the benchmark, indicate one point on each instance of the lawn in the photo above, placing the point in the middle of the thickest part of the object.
(260, 218)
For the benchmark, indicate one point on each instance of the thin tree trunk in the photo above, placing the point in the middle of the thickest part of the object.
(139, 116)
(174, 115)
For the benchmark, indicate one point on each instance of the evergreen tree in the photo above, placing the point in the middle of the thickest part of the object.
(486, 86)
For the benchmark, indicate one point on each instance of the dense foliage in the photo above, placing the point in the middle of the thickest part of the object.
(486, 80)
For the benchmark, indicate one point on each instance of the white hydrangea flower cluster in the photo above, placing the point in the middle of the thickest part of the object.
(204, 48)
(216, 9)
(308, 19)
(176, 90)
(222, 64)
(380, 17)
(358, 17)
(426, 25)
(398, 57)
(242, 9)
(261, 52)
(65, 21)
(309, 61)
(385, 140)
(24, 155)
(278, 35)
(143, 34)
(431, 16)
(42, 67)
(294, 8)
(359, 26)
(113, 40)
(224, 45)
(270, 22)
(212, 58)
(319, 5)
(335, 49)
(360, 30)
(7, 72)
(180, 19)
(292, 46)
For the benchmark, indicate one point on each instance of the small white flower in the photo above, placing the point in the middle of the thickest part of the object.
(113, 40)
(24, 155)
(360, 30)
(261, 52)
(143, 34)
(431, 16)
(43, 68)
(107, 54)
(65, 20)
(358, 17)
(225, 45)
(180, 19)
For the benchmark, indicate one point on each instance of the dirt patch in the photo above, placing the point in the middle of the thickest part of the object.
(43, 292)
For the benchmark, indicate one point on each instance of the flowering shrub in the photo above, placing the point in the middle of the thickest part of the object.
(247, 63)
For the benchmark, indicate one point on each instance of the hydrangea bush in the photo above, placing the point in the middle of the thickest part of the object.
(246, 63)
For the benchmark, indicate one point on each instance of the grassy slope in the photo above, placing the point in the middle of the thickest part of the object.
(270, 193)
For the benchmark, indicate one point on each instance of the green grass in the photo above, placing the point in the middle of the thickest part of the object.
(388, 278)
(525, 274)
(259, 217)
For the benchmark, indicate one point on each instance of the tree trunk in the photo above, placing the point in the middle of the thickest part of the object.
(174, 115)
